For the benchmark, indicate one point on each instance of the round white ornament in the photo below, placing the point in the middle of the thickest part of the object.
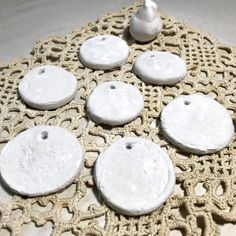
(161, 68)
(104, 52)
(134, 176)
(197, 124)
(114, 103)
(41, 160)
(48, 87)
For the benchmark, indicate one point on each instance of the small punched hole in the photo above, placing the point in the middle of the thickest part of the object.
(104, 38)
(152, 55)
(112, 87)
(41, 71)
(44, 135)
(187, 103)
(129, 146)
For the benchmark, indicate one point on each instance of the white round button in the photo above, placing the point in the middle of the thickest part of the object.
(104, 52)
(114, 103)
(41, 160)
(135, 176)
(197, 124)
(48, 87)
(161, 68)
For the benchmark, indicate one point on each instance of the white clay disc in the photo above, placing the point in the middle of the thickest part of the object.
(48, 87)
(104, 52)
(114, 103)
(135, 176)
(161, 68)
(197, 124)
(41, 160)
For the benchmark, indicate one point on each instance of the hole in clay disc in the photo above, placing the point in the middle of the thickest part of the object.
(44, 135)
(187, 103)
(41, 71)
(112, 87)
(152, 55)
(103, 38)
(129, 146)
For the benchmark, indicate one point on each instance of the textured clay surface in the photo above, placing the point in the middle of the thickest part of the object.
(114, 103)
(161, 68)
(135, 176)
(104, 52)
(48, 87)
(197, 123)
(41, 160)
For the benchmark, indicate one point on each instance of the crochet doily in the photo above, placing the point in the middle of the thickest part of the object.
(205, 194)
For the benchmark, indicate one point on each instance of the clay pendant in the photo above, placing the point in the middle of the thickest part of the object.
(41, 160)
(104, 52)
(114, 103)
(135, 176)
(161, 68)
(48, 87)
(197, 124)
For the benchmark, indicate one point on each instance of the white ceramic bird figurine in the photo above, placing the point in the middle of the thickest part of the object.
(146, 23)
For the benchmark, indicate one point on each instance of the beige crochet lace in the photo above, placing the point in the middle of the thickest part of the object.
(205, 194)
